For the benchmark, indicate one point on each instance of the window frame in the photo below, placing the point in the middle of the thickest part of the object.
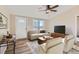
(38, 24)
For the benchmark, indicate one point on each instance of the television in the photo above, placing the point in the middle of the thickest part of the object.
(59, 29)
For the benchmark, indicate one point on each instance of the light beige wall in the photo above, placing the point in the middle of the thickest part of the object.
(67, 18)
(12, 24)
(47, 25)
(78, 25)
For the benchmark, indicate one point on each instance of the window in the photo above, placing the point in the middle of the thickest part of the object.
(38, 24)
(35, 23)
(41, 23)
(20, 23)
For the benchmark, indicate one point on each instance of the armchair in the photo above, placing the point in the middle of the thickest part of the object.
(69, 42)
(53, 46)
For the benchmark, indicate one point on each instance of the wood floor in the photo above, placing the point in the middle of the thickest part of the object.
(21, 47)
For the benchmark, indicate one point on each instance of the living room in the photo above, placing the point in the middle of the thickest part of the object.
(27, 15)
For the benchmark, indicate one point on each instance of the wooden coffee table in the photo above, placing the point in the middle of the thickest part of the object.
(42, 40)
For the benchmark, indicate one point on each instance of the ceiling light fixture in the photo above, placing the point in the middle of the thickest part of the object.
(49, 8)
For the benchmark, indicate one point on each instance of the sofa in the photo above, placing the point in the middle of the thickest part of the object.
(32, 35)
(53, 46)
(57, 45)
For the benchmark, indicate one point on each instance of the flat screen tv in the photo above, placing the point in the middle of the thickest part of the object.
(59, 29)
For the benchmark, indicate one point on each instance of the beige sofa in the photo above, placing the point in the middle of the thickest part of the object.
(32, 35)
(53, 46)
(57, 45)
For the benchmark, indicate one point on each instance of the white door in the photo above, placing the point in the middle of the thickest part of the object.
(20, 27)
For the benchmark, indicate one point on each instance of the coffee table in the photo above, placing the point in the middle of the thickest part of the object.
(43, 39)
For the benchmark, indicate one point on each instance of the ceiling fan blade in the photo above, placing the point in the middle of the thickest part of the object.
(55, 6)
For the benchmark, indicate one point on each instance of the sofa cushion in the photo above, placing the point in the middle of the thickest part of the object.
(54, 41)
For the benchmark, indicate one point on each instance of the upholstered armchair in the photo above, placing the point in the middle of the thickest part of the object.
(58, 45)
(69, 43)
(53, 46)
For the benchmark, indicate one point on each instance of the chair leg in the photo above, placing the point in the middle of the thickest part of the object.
(14, 45)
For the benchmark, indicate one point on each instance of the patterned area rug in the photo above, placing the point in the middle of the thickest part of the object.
(76, 46)
(75, 49)
(33, 46)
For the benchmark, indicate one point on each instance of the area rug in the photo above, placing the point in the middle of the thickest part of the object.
(76, 46)
(33, 46)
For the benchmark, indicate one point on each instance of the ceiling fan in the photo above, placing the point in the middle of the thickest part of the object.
(50, 8)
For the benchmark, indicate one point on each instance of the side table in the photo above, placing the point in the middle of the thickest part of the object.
(11, 40)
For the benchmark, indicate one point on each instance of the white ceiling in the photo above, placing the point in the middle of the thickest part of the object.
(33, 10)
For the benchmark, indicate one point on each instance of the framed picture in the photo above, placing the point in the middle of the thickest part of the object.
(3, 21)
